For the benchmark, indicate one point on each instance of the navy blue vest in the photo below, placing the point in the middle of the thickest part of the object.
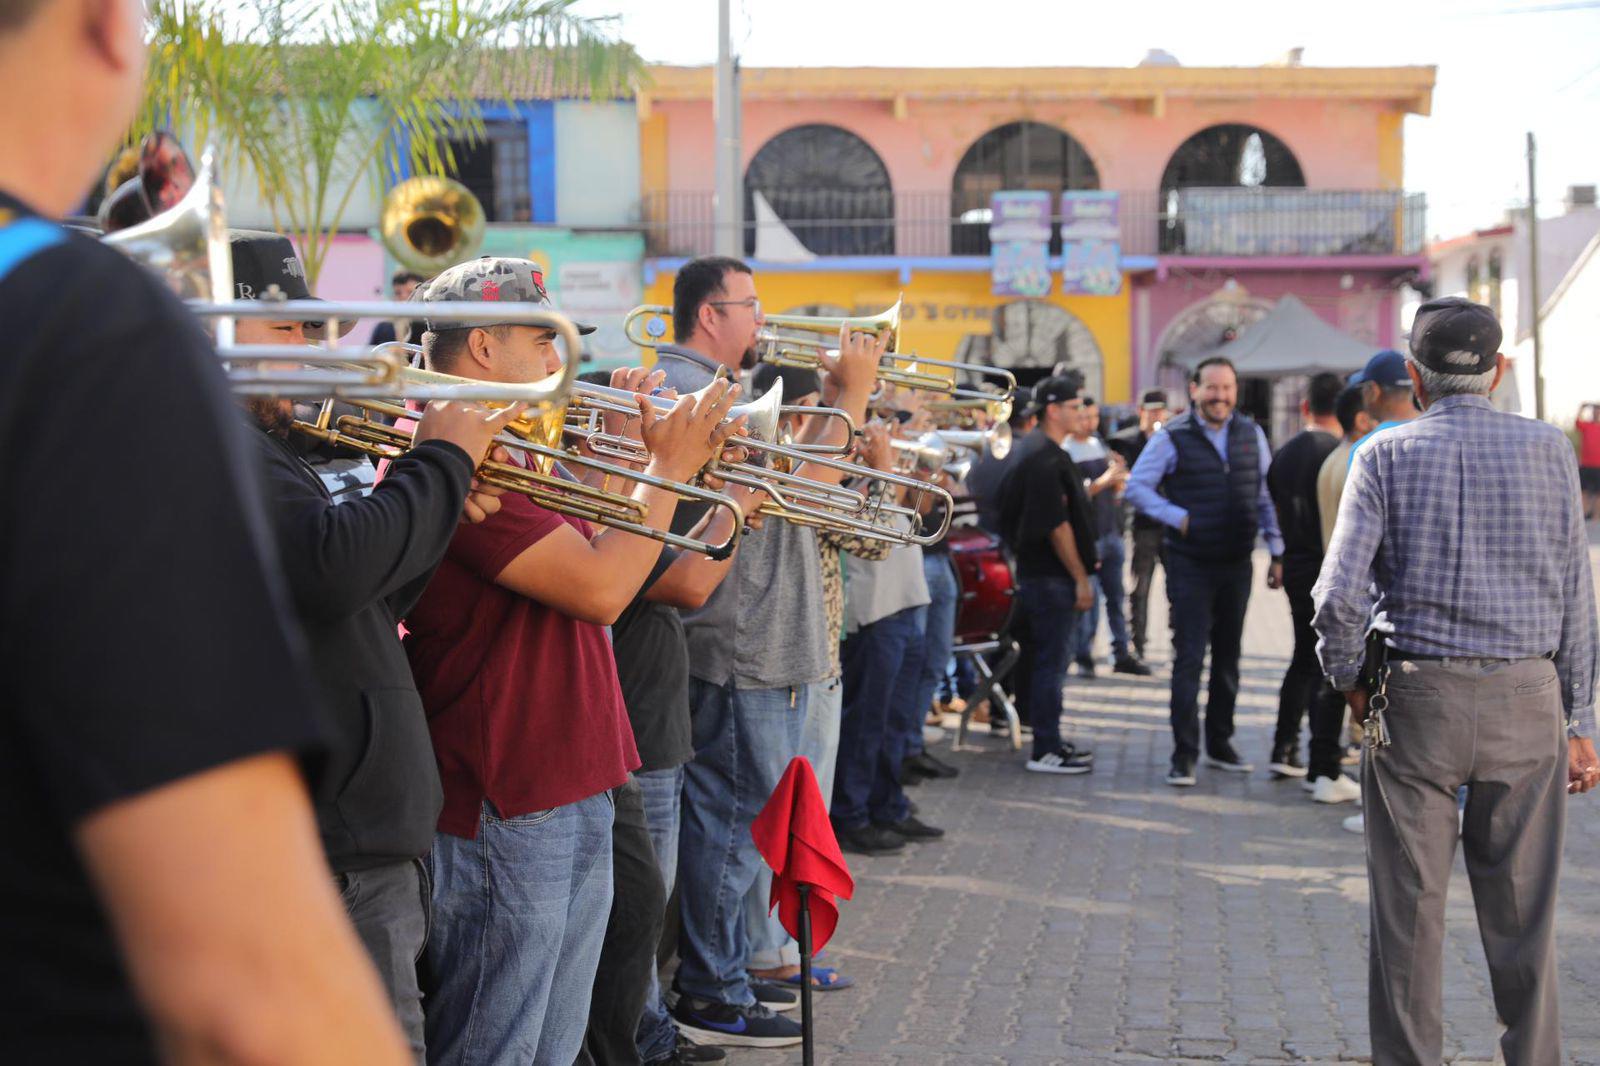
(1221, 498)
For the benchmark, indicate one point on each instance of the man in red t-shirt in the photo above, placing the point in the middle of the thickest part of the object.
(1589, 457)
(511, 656)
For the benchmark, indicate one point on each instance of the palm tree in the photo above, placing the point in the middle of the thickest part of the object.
(319, 96)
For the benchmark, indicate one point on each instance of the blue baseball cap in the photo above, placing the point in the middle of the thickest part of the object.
(1387, 368)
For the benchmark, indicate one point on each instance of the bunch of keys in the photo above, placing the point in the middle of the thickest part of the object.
(1373, 731)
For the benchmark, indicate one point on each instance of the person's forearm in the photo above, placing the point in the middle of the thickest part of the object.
(832, 432)
(693, 577)
(1150, 503)
(1066, 549)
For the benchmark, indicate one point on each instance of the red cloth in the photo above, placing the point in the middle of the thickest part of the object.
(794, 835)
(523, 702)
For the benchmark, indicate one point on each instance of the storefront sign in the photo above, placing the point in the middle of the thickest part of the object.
(1019, 240)
(1091, 244)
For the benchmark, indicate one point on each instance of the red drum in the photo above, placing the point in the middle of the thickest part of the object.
(988, 584)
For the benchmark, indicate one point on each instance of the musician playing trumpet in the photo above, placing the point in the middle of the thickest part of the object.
(510, 653)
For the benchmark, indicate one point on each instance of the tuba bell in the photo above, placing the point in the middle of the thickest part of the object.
(431, 222)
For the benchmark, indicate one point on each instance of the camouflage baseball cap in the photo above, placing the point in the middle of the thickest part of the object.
(489, 278)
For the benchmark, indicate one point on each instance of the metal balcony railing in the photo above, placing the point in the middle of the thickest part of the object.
(1246, 222)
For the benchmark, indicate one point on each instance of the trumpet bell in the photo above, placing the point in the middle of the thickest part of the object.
(431, 222)
(996, 440)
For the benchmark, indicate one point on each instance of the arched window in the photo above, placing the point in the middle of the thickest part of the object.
(827, 186)
(1229, 156)
(1019, 155)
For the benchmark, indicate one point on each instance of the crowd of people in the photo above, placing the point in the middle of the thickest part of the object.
(429, 771)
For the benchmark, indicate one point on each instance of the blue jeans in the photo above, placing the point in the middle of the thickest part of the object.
(938, 632)
(663, 792)
(770, 944)
(1208, 604)
(743, 741)
(519, 916)
(1049, 604)
(882, 662)
(1109, 589)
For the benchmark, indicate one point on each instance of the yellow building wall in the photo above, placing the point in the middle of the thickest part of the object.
(940, 309)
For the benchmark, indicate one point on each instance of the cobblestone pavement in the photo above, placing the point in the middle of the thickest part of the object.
(1111, 919)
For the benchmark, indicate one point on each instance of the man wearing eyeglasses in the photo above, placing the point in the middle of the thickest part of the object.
(755, 649)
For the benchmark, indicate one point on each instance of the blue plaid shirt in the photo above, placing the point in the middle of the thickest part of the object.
(1465, 527)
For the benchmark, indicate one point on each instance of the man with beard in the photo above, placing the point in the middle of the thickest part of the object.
(1210, 465)
(353, 572)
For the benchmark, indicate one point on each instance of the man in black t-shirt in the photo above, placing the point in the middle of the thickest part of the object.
(161, 883)
(1046, 519)
(354, 570)
(1292, 480)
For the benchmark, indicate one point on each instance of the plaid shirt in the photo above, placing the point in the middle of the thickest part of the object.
(1464, 526)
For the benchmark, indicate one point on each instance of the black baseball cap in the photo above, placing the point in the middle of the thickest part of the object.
(1453, 335)
(1054, 390)
(266, 264)
(1153, 400)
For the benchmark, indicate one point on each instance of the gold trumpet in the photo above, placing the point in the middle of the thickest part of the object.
(538, 437)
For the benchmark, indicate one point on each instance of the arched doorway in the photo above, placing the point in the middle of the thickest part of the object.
(1032, 339)
(1018, 155)
(827, 186)
(1227, 156)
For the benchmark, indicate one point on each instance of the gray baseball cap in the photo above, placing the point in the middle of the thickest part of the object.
(489, 278)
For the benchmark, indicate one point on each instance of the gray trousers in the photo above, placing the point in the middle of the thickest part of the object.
(1495, 726)
(391, 908)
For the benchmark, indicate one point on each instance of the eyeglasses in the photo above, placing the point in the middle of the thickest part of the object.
(751, 302)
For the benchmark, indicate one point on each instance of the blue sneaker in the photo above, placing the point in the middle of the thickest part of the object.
(707, 1022)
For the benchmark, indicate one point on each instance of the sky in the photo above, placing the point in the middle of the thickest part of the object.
(1505, 67)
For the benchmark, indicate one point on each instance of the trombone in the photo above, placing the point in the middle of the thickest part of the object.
(537, 437)
(952, 451)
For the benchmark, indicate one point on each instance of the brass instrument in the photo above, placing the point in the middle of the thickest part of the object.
(951, 451)
(431, 222)
(187, 246)
(538, 437)
(801, 341)
(793, 497)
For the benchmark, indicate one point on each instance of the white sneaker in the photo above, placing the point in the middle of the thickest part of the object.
(1356, 823)
(932, 734)
(1310, 784)
(1335, 790)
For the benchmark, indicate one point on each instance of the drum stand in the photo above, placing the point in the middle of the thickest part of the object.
(990, 687)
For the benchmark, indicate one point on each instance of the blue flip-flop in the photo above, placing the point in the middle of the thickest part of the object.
(823, 979)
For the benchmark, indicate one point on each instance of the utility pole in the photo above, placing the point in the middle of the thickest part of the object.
(1533, 283)
(728, 205)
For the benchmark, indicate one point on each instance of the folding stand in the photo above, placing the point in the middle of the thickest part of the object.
(991, 687)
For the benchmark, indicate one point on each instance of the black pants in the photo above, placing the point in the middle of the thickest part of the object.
(638, 909)
(1304, 688)
(1146, 553)
(1208, 601)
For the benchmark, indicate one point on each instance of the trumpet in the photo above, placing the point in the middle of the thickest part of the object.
(802, 340)
(951, 451)
(537, 437)
(792, 496)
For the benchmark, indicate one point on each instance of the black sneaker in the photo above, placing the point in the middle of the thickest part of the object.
(687, 1051)
(869, 840)
(931, 766)
(1131, 665)
(1286, 763)
(723, 1023)
(1063, 760)
(1085, 666)
(912, 829)
(911, 774)
(1224, 757)
(1181, 775)
(774, 996)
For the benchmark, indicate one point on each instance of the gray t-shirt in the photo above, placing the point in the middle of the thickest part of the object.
(875, 590)
(765, 625)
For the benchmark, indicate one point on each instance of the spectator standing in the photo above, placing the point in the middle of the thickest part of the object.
(1147, 533)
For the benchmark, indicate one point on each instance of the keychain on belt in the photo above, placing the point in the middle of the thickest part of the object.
(1373, 731)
